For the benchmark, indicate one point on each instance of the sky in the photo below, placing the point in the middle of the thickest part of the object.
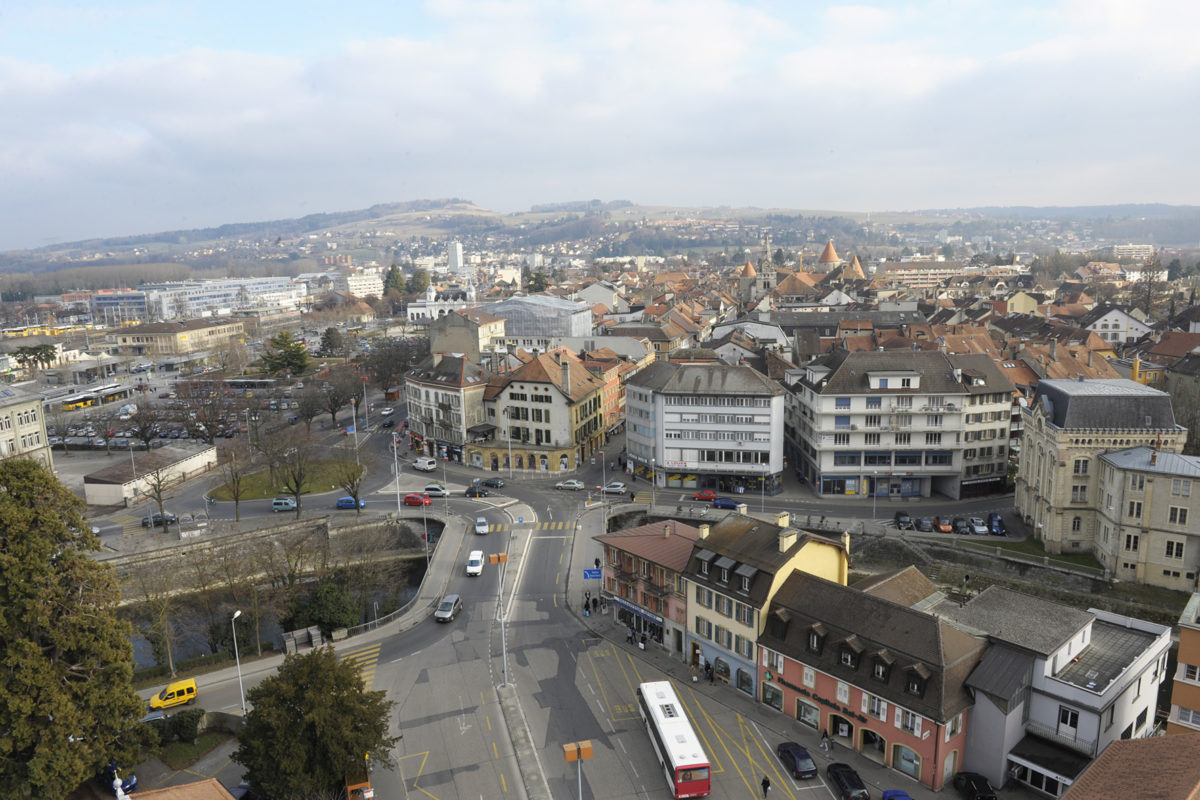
(120, 118)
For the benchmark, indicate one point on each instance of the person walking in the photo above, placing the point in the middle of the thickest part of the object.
(824, 742)
(595, 604)
(711, 672)
(766, 784)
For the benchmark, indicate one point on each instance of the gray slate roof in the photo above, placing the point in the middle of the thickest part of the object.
(849, 372)
(1032, 623)
(702, 379)
(1002, 673)
(1107, 403)
(1165, 463)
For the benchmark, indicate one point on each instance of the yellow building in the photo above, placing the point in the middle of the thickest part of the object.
(157, 339)
(737, 566)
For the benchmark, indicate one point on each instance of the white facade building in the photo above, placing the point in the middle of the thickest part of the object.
(705, 426)
(361, 282)
(454, 258)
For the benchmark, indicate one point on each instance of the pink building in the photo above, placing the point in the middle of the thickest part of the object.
(879, 677)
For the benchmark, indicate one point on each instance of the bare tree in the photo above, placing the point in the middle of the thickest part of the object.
(295, 465)
(349, 474)
(309, 406)
(157, 583)
(158, 481)
(237, 461)
(344, 385)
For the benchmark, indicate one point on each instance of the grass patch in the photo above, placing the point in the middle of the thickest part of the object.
(323, 477)
(181, 755)
(1033, 548)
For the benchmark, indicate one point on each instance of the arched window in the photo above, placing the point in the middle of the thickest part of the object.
(1076, 523)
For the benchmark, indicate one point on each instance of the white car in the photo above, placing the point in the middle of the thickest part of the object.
(387, 412)
(978, 526)
(475, 562)
(571, 485)
(612, 487)
(481, 525)
(436, 490)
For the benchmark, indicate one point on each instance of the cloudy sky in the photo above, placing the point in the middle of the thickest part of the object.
(139, 116)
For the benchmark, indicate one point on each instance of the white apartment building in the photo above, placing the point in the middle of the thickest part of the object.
(454, 258)
(705, 426)
(359, 282)
(900, 424)
(153, 302)
(445, 400)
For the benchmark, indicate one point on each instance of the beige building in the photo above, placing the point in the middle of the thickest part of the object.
(445, 403)
(23, 427)
(471, 332)
(1059, 487)
(162, 339)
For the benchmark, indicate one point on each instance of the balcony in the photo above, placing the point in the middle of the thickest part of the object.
(1085, 746)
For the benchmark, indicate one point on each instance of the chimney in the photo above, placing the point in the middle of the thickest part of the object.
(437, 358)
(1054, 349)
(787, 538)
(667, 530)
(566, 372)
(783, 519)
(704, 529)
(1153, 457)
(1090, 354)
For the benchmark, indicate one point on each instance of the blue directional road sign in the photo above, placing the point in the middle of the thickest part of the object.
(591, 574)
(520, 520)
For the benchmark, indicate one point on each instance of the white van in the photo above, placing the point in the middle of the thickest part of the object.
(475, 562)
(425, 464)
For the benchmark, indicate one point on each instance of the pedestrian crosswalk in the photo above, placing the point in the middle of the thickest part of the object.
(541, 526)
(366, 659)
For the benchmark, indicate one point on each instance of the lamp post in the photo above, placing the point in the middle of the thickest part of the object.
(874, 493)
(653, 481)
(578, 752)
(354, 426)
(445, 481)
(762, 488)
(502, 560)
(508, 434)
(237, 659)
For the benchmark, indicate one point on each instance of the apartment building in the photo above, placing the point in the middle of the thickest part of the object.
(193, 339)
(362, 282)
(1067, 427)
(1185, 687)
(736, 568)
(183, 299)
(643, 581)
(23, 426)
(473, 333)
(705, 426)
(879, 678)
(445, 402)
(906, 424)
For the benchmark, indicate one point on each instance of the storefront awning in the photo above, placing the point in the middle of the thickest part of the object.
(481, 429)
(641, 612)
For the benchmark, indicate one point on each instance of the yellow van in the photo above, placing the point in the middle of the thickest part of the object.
(176, 694)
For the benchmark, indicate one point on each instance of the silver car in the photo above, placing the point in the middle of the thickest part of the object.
(448, 609)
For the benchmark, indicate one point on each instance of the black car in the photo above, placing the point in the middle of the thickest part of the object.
(960, 527)
(924, 525)
(796, 759)
(156, 520)
(845, 782)
(493, 483)
(476, 491)
(973, 786)
(903, 521)
(388, 423)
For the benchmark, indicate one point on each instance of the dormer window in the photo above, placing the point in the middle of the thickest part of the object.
(703, 567)
(745, 584)
(914, 686)
(816, 638)
(724, 575)
(880, 671)
(849, 658)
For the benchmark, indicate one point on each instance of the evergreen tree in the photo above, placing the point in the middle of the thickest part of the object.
(395, 279)
(66, 701)
(333, 343)
(419, 282)
(312, 723)
(285, 354)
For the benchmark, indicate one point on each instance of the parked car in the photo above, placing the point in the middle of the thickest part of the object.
(612, 487)
(896, 794)
(109, 775)
(571, 485)
(845, 782)
(493, 483)
(348, 502)
(476, 491)
(416, 500)
(725, 502)
(705, 494)
(960, 527)
(425, 464)
(978, 526)
(903, 521)
(942, 525)
(973, 786)
(924, 525)
(796, 759)
(448, 609)
(996, 525)
(388, 423)
(436, 490)
(155, 520)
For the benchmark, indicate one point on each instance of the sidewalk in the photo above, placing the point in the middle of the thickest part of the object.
(778, 727)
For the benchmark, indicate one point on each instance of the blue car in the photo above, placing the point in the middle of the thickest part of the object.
(348, 502)
(725, 502)
(896, 794)
(996, 525)
(111, 772)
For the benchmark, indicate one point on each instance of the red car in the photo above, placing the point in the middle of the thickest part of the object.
(706, 494)
(417, 500)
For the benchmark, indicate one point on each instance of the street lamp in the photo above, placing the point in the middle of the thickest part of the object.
(501, 559)
(354, 426)
(603, 496)
(874, 493)
(762, 489)
(508, 433)
(445, 481)
(653, 481)
(237, 659)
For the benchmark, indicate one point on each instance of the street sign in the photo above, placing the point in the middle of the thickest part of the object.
(520, 520)
(591, 574)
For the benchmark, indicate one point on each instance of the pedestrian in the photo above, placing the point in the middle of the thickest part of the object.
(629, 638)
(692, 673)
(766, 784)
(824, 742)
(587, 597)
(597, 563)
(595, 604)
(711, 672)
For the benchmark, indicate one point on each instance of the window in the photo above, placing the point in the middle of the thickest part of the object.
(745, 614)
(703, 628)
(871, 438)
(933, 438)
(903, 438)
(908, 722)
(841, 402)
(843, 692)
(724, 606)
(1137, 482)
(841, 421)
(875, 706)
(1181, 487)
(772, 660)
(703, 567)
(873, 420)
(704, 597)
(849, 659)
(814, 641)
(1178, 516)
(1076, 523)
(880, 671)
(1135, 509)
(874, 402)
(914, 685)
(954, 726)
(1079, 494)
(1081, 466)
(1175, 550)
(841, 439)
(1131, 542)
(809, 678)
(1191, 672)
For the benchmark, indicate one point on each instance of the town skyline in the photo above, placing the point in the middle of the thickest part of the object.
(126, 120)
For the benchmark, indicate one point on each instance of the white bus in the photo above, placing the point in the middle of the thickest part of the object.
(676, 744)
